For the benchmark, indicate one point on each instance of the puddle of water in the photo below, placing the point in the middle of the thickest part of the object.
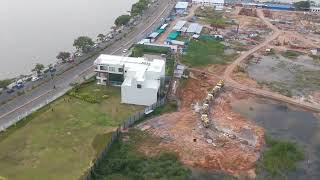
(285, 122)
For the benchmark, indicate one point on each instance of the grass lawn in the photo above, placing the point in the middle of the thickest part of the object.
(60, 141)
(204, 52)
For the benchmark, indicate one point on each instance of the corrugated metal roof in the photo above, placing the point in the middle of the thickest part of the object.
(164, 26)
(195, 28)
(182, 5)
(154, 35)
(179, 25)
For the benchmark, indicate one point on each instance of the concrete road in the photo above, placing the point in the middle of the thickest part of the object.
(24, 104)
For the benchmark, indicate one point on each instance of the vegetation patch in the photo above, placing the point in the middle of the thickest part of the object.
(84, 96)
(68, 131)
(291, 54)
(211, 16)
(170, 106)
(138, 7)
(279, 157)
(140, 49)
(125, 161)
(204, 52)
(278, 87)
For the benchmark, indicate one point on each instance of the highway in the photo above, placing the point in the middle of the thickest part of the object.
(22, 105)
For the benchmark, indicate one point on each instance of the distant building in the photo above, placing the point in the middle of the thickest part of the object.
(181, 7)
(315, 9)
(218, 4)
(287, 7)
(140, 79)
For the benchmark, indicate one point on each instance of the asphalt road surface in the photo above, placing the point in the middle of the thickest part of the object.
(21, 105)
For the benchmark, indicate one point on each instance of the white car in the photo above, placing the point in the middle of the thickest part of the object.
(78, 54)
(34, 78)
(125, 51)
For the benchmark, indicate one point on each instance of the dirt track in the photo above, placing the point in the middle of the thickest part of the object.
(260, 92)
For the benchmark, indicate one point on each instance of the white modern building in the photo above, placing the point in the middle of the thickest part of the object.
(219, 4)
(140, 79)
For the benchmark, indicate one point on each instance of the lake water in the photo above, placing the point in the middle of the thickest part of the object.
(34, 31)
(285, 122)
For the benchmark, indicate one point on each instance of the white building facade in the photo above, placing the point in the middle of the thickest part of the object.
(219, 4)
(140, 79)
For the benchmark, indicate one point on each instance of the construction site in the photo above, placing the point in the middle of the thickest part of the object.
(275, 55)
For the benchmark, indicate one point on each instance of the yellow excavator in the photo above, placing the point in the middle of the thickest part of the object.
(205, 120)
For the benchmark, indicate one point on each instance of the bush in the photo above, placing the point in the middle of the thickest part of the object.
(168, 107)
(123, 161)
(138, 7)
(83, 96)
(291, 54)
(4, 83)
(279, 157)
(122, 20)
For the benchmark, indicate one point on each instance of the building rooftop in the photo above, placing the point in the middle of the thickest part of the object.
(137, 67)
(195, 28)
(179, 25)
(182, 5)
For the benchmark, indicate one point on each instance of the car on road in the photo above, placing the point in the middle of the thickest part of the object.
(125, 51)
(9, 91)
(34, 78)
(78, 54)
(19, 86)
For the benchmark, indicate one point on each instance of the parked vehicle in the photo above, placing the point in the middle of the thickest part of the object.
(9, 91)
(34, 78)
(19, 86)
(78, 54)
(125, 50)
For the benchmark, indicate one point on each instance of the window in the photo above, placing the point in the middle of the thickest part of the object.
(139, 86)
(104, 68)
(120, 69)
(112, 69)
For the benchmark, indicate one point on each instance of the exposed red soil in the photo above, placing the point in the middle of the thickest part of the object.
(182, 131)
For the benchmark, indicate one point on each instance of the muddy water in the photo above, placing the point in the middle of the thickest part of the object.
(285, 122)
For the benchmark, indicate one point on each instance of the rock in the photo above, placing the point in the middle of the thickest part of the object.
(209, 141)
(146, 127)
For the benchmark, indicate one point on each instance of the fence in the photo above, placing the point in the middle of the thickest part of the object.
(116, 134)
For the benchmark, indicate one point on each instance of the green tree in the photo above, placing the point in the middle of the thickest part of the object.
(302, 5)
(4, 83)
(38, 68)
(101, 37)
(63, 56)
(138, 7)
(83, 43)
(122, 20)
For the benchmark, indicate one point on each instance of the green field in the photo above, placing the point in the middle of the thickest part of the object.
(204, 52)
(60, 141)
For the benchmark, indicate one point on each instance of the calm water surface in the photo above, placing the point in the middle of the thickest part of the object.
(284, 122)
(34, 31)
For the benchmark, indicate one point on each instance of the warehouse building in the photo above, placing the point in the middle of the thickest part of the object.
(140, 79)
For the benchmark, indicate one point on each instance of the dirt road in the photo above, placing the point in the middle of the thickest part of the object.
(260, 92)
